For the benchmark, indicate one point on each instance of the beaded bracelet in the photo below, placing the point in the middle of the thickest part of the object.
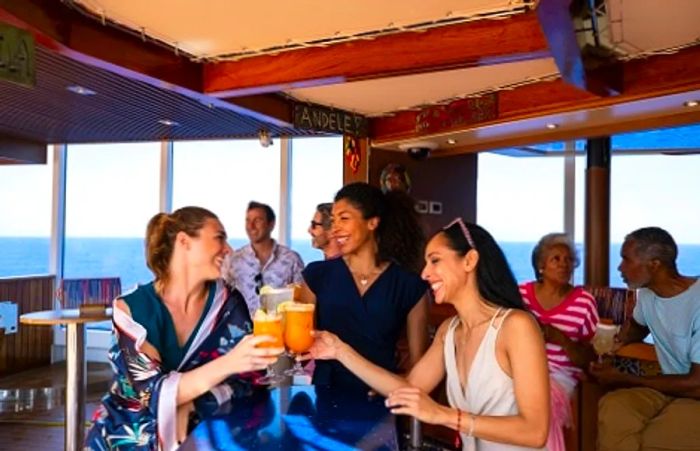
(458, 438)
(472, 422)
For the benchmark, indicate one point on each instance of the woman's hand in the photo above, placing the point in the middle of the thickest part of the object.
(553, 335)
(327, 346)
(247, 356)
(416, 403)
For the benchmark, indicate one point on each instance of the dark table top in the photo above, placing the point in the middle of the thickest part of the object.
(299, 418)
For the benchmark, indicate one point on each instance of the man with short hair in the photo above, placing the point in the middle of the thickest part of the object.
(661, 412)
(263, 261)
(320, 231)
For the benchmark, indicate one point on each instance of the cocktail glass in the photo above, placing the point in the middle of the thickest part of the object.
(271, 325)
(604, 339)
(299, 323)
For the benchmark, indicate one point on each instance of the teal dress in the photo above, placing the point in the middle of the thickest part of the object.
(140, 410)
(148, 309)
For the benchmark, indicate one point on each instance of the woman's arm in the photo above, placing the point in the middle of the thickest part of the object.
(426, 374)
(244, 357)
(528, 362)
(581, 353)
(417, 330)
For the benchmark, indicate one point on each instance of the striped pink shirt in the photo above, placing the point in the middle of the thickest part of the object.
(576, 316)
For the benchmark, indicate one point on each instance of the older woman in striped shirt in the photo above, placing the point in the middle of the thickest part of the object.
(568, 317)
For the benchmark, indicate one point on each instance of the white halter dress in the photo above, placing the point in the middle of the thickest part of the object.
(488, 391)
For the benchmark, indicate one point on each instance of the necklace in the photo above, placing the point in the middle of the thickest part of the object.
(362, 278)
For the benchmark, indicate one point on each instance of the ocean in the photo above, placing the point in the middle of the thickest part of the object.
(124, 257)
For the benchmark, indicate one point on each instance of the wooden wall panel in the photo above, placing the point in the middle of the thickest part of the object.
(30, 347)
(449, 180)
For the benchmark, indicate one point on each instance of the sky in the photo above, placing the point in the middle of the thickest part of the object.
(113, 189)
(521, 199)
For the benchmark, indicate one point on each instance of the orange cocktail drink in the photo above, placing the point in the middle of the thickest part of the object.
(269, 324)
(299, 320)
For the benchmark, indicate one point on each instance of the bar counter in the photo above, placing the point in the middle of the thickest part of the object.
(296, 418)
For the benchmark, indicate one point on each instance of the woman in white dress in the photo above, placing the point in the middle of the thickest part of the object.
(491, 352)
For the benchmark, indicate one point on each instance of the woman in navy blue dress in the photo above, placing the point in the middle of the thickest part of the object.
(372, 292)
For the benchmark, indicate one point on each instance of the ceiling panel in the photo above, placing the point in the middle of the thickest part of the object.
(377, 97)
(220, 27)
(122, 109)
(641, 26)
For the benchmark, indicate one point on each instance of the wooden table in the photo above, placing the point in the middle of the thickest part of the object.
(75, 365)
(298, 417)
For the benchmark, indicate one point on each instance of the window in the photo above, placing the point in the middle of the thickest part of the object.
(25, 217)
(518, 201)
(317, 174)
(223, 176)
(112, 191)
(656, 190)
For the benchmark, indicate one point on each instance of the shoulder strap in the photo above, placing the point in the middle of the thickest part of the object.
(502, 318)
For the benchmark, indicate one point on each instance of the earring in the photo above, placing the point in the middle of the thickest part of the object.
(541, 270)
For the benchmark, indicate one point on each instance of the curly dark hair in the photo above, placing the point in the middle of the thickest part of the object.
(399, 235)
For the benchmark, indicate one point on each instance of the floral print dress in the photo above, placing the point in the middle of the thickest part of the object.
(139, 411)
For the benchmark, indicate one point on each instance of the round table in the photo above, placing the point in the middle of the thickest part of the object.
(75, 364)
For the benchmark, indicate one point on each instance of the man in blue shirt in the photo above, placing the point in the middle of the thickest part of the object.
(661, 412)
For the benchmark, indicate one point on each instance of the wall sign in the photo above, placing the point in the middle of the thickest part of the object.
(322, 119)
(458, 113)
(17, 56)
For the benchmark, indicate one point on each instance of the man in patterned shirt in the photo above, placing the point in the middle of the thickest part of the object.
(263, 261)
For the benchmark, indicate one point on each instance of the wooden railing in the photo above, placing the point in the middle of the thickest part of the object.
(30, 347)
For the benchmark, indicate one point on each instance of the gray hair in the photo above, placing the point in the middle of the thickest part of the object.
(325, 210)
(546, 243)
(655, 243)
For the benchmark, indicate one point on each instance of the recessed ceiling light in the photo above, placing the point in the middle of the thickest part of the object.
(552, 126)
(691, 103)
(168, 122)
(81, 90)
(451, 141)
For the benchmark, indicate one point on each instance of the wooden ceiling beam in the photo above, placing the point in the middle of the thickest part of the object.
(472, 44)
(68, 32)
(655, 76)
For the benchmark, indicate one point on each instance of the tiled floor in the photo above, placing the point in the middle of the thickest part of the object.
(43, 428)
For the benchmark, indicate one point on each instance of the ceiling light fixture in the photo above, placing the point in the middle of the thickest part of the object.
(81, 90)
(265, 138)
(168, 122)
(451, 141)
(691, 103)
(552, 126)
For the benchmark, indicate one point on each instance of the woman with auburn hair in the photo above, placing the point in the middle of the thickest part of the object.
(372, 292)
(180, 342)
(491, 352)
(568, 316)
